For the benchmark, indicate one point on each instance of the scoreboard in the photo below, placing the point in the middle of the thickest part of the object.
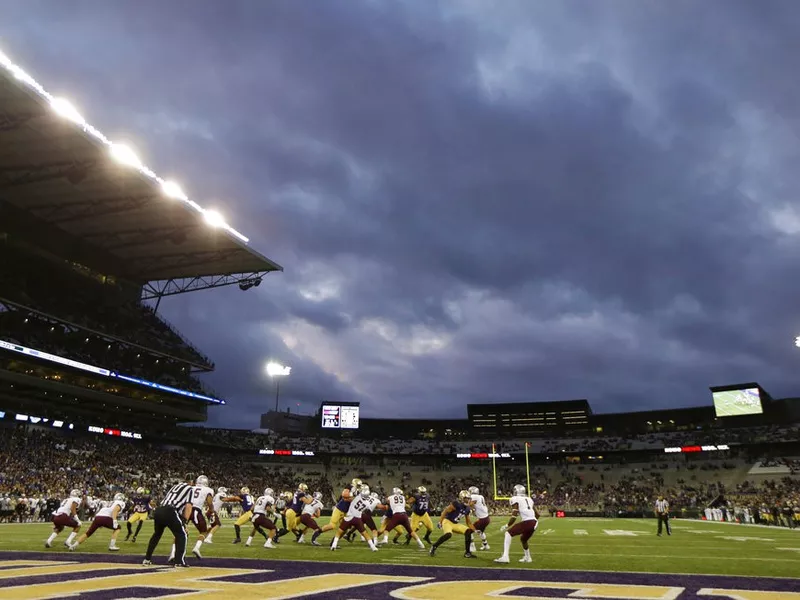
(340, 416)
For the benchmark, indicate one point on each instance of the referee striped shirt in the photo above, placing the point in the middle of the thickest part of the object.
(178, 496)
(662, 506)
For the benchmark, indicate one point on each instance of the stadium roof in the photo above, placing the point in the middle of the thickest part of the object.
(70, 190)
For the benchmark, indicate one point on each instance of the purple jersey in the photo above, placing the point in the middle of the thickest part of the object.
(422, 504)
(461, 510)
(141, 504)
(297, 502)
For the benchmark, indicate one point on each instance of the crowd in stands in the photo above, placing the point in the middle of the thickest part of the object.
(27, 329)
(86, 302)
(40, 465)
(250, 440)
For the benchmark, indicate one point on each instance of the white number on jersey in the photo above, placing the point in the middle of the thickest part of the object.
(358, 506)
(481, 510)
(524, 505)
(397, 503)
(66, 506)
(200, 494)
(312, 507)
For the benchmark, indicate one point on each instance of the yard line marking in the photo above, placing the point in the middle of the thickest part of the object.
(580, 532)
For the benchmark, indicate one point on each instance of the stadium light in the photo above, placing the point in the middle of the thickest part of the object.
(276, 371)
(64, 108)
(214, 219)
(120, 152)
(173, 190)
(125, 155)
(797, 341)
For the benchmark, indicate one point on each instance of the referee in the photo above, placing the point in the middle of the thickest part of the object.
(662, 512)
(172, 514)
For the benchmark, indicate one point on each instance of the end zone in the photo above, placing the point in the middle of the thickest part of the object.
(35, 575)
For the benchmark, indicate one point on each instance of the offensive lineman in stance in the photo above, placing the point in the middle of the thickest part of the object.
(66, 516)
(522, 506)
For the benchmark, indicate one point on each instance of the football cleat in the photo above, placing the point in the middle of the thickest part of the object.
(502, 559)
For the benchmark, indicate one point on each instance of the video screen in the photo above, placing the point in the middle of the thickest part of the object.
(335, 416)
(736, 403)
(331, 417)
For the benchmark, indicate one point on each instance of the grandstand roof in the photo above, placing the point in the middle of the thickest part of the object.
(61, 189)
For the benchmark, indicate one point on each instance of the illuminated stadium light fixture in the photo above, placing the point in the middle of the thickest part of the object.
(125, 155)
(797, 341)
(64, 108)
(120, 152)
(173, 190)
(214, 219)
(276, 370)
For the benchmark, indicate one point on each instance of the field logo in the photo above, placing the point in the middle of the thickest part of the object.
(38, 576)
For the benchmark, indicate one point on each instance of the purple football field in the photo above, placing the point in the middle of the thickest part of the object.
(264, 575)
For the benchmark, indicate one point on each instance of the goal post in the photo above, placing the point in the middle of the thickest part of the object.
(494, 472)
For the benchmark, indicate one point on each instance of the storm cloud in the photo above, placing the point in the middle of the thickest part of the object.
(473, 200)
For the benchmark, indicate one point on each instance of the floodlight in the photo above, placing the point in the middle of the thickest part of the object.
(22, 75)
(64, 108)
(276, 369)
(120, 152)
(797, 341)
(214, 219)
(125, 155)
(173, 190)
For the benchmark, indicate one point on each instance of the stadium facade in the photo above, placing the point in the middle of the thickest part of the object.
(88, 235)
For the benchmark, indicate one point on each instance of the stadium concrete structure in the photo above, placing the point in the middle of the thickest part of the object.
(87, 233)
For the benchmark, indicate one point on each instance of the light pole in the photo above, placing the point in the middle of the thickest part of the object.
(276, 371)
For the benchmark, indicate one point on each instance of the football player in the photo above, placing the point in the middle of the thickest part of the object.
(309, 516)
(343, 505)
(142, 504)
(214, 521)
(262, 511)
(420, 512)
(353, 519)
(522, 507)
(246, 500)
(106, 518)
(481, 514)
(67, 516)
(449, 523)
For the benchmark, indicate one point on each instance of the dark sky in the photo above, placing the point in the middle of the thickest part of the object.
(474, 201)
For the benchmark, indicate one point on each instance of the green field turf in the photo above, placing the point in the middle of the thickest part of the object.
(581, 544)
